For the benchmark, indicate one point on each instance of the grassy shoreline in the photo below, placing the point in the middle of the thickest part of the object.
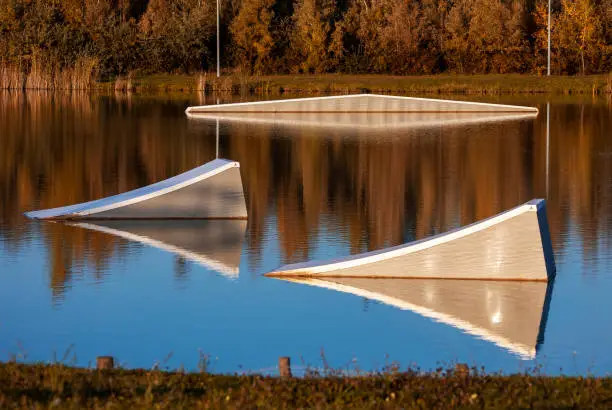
(341, 83)
(59, 386)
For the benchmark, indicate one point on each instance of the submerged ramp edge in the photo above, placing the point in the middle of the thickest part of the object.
(211, 191)
(513, 245)
(358, 103)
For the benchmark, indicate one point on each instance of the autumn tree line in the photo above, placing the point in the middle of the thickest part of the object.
(110, 38)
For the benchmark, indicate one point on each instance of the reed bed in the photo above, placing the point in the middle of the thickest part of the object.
(232, 84)
(40, 74)
(12, 77)
(125, 84)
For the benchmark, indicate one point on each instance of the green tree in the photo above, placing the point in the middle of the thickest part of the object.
(497, 36)
(310, 36)
(251, 33)
(606, 14)
(579, 34)
(431, 29)
(176, 33)
(403, 37)
(457, 41)
(487, 36)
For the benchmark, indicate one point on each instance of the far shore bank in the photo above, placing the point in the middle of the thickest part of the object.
(239, 84)
(59, 386)
(493, 84)
(313, 85)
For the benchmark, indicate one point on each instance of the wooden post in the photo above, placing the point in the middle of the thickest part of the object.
(284, 367)
(462, 369)
(105, 362)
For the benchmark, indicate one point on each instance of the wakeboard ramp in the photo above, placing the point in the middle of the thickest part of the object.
(210, 191)
(359, 103)
(512, 315)
(362, 112)
(513, 245)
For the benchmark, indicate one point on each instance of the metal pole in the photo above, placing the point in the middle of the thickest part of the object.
(218, 51)
(548, 71)
(547, 145)
(217, 151)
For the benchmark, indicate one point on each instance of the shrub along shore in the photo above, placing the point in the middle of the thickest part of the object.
(345, 83)
(59, 386)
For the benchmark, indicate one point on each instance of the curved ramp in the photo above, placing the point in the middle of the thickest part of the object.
(513, 245)
(512, 315)
(359, 103)
(211, 191)
(214, 244)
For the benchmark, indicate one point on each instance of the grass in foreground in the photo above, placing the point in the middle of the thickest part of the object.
(341, 83)
(58, 386)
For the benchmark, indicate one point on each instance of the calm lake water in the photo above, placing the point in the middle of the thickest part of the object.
(312, 193)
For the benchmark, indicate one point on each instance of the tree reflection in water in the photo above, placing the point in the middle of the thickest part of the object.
(372, 189)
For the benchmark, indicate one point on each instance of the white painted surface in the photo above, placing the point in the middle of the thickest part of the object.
(168, 186)
(506, 246)
(358, 103)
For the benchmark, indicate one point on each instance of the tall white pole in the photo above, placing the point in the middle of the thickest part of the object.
(548, 71)
(217, 140)
(547, 145)
(218, 51)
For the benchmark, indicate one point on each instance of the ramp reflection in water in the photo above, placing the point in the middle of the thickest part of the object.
(362, 112)
(512, 315)
(214, 244)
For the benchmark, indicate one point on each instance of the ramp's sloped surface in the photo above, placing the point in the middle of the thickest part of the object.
(211, 191)
(366, 121)
(513, 245)
(359, 103)
(214, 244)
(512, 315)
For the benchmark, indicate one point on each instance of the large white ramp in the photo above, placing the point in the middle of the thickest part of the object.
(211, 191)
(512, 315)
(513, 245)
(359, 103)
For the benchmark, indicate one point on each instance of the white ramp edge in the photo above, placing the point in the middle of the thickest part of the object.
(513, 245)
(358, 103)
(211, 191)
